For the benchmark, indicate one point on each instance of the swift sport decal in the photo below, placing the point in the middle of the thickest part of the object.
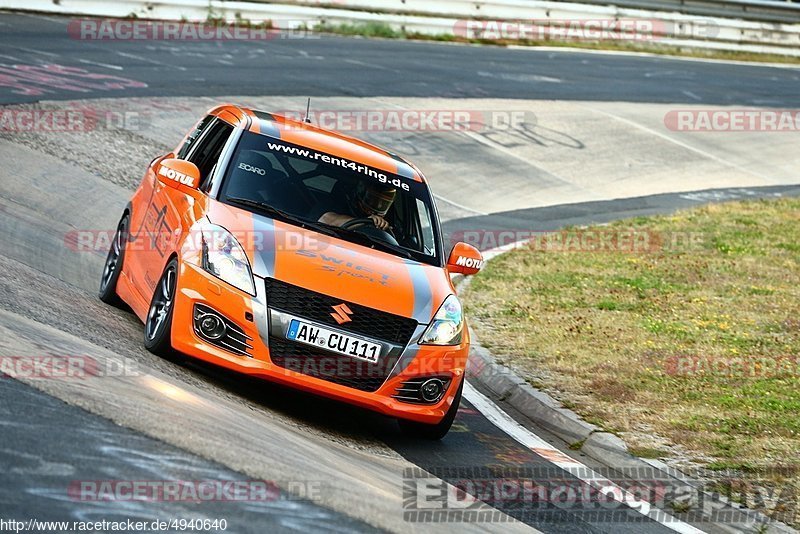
(346, 268)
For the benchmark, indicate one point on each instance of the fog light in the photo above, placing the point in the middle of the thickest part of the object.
(211, 326)
(432, 390)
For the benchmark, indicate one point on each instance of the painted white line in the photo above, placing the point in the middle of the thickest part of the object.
(34, 51)
(365, 64)
(41, 17)
(568, 50)
(525, 437)
(106, 65)
(692, 95)
(459, 206)
(306, 55)
(510, 153)
(148, 60)
(660, 74)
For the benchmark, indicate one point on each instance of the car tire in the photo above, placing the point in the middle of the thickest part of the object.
(113, 265)
(158, 323)
(436, 431)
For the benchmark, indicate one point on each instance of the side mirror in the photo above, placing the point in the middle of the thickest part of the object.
(178, 172)
(465, 259)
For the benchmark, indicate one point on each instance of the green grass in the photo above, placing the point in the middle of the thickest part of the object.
(700, 344)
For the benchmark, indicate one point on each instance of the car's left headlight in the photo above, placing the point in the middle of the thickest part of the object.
(224, 257)
(447, 325)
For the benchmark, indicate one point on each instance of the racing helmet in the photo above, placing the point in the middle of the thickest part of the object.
(374, 199)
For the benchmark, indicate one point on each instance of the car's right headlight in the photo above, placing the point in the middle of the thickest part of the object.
(447, 325)
(224, 257)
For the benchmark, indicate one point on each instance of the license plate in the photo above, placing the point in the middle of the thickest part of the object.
(333, 341)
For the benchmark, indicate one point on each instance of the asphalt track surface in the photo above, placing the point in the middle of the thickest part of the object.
(328, 66)
(46, 444)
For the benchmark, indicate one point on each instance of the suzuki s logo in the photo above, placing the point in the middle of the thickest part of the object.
(342, 313)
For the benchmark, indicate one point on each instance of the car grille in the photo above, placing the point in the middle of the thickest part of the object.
(317, 307)
(336, 368)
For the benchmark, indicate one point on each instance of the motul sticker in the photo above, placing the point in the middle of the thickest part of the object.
(176, 176)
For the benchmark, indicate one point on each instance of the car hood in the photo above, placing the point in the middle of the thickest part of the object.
(332, 266)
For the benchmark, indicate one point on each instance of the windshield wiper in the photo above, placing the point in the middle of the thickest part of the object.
(263, 206)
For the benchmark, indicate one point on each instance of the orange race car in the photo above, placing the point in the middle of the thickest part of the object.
(296, 254)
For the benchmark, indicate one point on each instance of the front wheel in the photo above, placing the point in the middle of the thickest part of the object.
(113, 265)
(158, 325)
(435, 431)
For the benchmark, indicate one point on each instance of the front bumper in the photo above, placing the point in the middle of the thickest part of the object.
(414, 361)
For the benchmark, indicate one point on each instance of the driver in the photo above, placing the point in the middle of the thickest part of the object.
(371, 201)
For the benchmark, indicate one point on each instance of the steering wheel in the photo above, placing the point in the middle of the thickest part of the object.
(358, 222)
(371, 229)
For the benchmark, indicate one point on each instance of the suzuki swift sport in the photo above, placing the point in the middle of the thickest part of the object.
(284, 251)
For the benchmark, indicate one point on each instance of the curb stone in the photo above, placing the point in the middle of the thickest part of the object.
(537, 406)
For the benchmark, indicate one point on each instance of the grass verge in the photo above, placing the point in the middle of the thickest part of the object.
(688, 346)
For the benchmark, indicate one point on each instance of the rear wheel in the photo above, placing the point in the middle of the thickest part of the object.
(158, 324)
(435, 431)
(113, 265)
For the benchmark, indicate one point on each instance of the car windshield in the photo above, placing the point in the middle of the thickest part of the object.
(300, 186)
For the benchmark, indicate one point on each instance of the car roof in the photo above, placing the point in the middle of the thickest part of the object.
(311, 136)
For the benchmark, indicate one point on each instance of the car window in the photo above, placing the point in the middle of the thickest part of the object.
(310, 185)
(208, 149)
(193, 136)
(424, 218)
